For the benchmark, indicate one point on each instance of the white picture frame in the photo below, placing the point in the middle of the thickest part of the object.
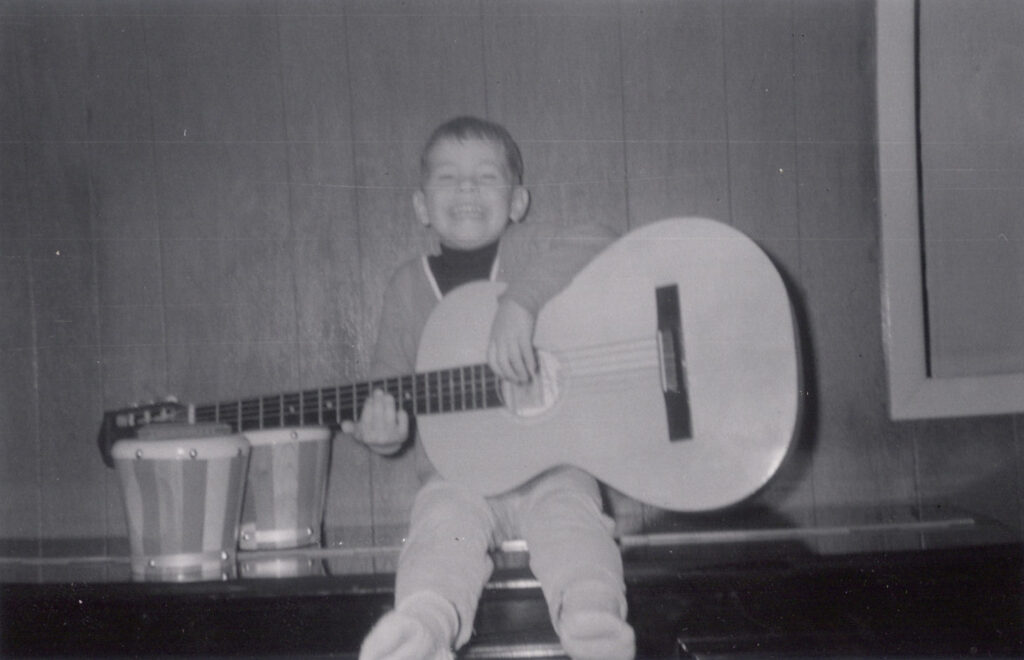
(913, 392)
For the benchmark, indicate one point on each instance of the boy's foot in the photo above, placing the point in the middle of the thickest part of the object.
(591, 623)
(422, 628)
(596, 635)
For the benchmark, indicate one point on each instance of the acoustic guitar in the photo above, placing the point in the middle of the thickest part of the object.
(668, 369)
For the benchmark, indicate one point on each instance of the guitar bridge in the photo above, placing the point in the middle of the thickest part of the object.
(672, 362)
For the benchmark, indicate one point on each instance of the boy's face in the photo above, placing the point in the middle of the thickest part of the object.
(469, 196)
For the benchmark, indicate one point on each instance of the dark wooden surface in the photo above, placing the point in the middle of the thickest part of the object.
(964, 602)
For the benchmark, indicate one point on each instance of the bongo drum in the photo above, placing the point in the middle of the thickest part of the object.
(285, 488)
(183, 498)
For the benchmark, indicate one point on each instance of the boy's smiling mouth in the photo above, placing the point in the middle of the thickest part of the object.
(467, 212)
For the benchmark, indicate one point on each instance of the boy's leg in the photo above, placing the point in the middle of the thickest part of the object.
(574, 555)
(442, 569)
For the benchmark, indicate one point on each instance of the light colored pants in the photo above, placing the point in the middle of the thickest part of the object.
(559, 515)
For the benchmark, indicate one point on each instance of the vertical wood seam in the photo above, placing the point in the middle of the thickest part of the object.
(156, 208)
(292, 237)
(483, 57)
(94, 239)
(358, 244)
(799, 215)
(725, 98)
(622, 115)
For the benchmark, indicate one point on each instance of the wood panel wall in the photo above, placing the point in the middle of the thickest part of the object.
(206, 198)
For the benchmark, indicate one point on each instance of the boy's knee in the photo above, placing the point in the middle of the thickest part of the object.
(566, 511)
(440, 502)
(564, 489)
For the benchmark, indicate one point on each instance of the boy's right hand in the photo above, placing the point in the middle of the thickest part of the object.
(382, 426)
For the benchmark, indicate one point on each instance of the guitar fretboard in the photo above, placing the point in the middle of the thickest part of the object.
(467, 388)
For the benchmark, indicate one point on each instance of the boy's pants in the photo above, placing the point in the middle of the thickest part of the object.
(558, 513)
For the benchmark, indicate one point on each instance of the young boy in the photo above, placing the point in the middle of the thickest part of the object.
(471, 196)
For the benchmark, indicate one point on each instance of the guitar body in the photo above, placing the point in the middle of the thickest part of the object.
(600, 403)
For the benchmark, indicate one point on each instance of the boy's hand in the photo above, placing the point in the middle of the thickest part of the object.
(382, 426)
(510, 350)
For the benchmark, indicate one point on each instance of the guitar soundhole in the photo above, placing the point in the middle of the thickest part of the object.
(537, 396)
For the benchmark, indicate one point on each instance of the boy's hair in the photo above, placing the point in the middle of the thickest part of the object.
(474, 128)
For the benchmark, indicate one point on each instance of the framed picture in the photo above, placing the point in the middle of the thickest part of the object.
(950, 88)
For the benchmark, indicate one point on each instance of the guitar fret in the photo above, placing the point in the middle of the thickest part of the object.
(246, 414)
(332, 405)
(266, 411)
(329, 403)
(403, 390)
(203, 414)
(288, 408)
(415, 394)
(472, 386)
(494, 390)
(309, 408)
(338, 406)
(476, 384)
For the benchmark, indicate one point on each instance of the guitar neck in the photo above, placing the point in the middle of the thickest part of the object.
(473, 387)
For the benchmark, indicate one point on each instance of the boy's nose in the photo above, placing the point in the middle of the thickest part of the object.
(467, 183)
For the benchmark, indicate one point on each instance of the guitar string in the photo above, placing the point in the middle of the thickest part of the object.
(598, 360)
(594, 380)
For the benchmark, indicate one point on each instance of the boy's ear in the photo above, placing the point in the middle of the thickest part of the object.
(419, 204)
(520, 204)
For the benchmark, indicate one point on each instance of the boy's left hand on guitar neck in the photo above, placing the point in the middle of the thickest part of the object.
(510, 351)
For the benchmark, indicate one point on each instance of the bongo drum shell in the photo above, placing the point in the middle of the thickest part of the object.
(183, 499)
(285, 488)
